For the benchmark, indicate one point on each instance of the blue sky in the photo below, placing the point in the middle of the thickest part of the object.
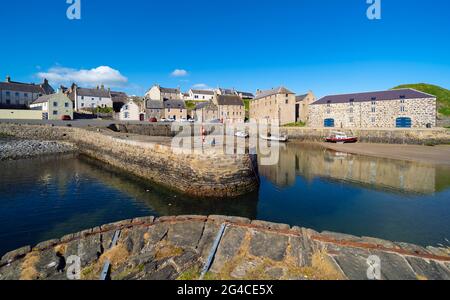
(328, 46)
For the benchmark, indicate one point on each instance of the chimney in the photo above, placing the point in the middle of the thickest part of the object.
(102, 87)
(45, 81)
(258, 91)
(8, 78)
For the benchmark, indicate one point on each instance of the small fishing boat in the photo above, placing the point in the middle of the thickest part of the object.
(341, 138)
(242, 134)
(274, 138)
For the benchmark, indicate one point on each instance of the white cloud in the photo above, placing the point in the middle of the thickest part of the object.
(179, 73)
(201, 86)
(97, 76)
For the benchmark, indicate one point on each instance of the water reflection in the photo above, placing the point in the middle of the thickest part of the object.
(311, 161)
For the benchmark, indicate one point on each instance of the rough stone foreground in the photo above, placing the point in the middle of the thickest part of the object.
(18, 149)
(200, 172)
(177, 247)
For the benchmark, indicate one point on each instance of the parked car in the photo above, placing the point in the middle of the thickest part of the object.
(153, 120)
(66, 118)
(183, 120)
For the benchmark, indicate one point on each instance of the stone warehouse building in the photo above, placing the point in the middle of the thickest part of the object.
(402, 108)
(231, 109)
(20, 95)
(272, 105)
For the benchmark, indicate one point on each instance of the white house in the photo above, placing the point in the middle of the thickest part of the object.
(90, 98)
(54, 106)
(131, 111)
(201, 95)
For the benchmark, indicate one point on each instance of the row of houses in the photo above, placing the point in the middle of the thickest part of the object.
(402, 108)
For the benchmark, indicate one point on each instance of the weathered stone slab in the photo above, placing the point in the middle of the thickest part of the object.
(223, 219)
(394, 266)
(15, 254)
(88, 249)
(144, 220)
(353, 262)
(228, 248)
(205, 244)
(300, 251)
(340, 236)
(241, 270)
(428, 269)
(11, 271)
(269, 245)
(46, 244)
(270, 225)
(186, 234)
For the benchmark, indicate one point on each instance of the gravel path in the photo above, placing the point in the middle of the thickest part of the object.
(18, 149)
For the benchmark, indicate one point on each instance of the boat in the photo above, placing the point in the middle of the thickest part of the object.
(341, 138)
(242, 134)
(274, 138)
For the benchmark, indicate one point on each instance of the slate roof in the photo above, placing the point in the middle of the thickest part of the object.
(300, 98)
(169, 90)
(203, 92)
(119, 97)
(227, 91)
(154, 104)
(93, 92)
(229, 100)
(246, 94)
(374, 96)
(210, 105)
(179, 104)
(47, 98)
(25, 87)
(279, 90)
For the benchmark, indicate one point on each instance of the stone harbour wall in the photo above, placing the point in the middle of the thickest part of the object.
(168, 248)
(386, 136)
(206, 173)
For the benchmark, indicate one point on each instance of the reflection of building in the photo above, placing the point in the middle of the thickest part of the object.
(314, 161)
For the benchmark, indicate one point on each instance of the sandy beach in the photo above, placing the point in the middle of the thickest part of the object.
(427, 154)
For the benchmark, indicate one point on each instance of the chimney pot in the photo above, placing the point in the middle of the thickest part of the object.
(8, 78)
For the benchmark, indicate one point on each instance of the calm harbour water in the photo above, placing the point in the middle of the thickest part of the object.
(45, 198)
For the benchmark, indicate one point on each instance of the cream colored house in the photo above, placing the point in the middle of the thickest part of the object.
(159, 93)
(230, 108)
(275, 105)
(53, 107)
(302, 106)
(200, 95)
(131, 111)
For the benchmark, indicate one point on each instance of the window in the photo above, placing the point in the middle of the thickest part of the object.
(126, 107)
(351, 110)
(374, 98)
(372, 119)
(55, 104)
(402, 108)
(352, 102)
(127, 115)
(351, 119)
(55, 112)
(402, 101)
(168, 110)
(82, 97)
(373, 109)
(82, 104)
(17, 95)
(402, 96)
(374, 103)
(328, 111)
(8, 93)
(287, 101)
(66, 104)
(92, 99)
(25, 95)
(328, 103)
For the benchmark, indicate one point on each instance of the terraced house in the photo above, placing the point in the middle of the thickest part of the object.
(273, 106)
(159, 93)
(88, 99)
(230, 108)
(20, 95)
(402, 108)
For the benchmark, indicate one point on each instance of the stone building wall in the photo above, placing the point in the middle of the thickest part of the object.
(378, 114)
(274, 107)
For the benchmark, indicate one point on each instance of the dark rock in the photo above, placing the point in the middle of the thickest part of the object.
(187, 259)
(269, 245)
(46, 244)
(166, 273)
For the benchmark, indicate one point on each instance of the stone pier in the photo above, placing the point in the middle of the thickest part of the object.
(204, 172)
(152, 248)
